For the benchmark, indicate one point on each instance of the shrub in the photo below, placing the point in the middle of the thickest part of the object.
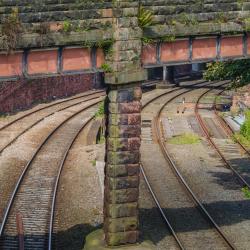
(245, 128)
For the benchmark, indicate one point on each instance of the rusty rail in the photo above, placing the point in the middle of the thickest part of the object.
(179, 175)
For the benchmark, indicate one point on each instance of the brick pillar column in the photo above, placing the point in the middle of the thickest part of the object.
(124, 127)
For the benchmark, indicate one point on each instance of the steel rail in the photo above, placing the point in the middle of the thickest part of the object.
(209, 139)
(50, 114)
(173, 166)
(48, 106)
(226, 127)
(160, 209)
(26, 168)
(171, 91)
(61, 169)
(46, 116)
(165, 217)
(62, 163)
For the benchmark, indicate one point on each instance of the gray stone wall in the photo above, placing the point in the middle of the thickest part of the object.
(197, 17)
(49, 22)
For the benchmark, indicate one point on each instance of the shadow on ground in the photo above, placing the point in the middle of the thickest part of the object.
(154, 229)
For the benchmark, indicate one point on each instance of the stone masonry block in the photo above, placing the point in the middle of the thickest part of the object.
(122, 210)
(125, 108)
(125, 95)
(124, 119)
(123, 157)
(127, 76)
(122, 170)
(122, 196)
(124, 224)
(124, 144)
(122, 238)
(122, 182)
(124, 131)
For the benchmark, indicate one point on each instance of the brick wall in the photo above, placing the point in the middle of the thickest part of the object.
(23, 93)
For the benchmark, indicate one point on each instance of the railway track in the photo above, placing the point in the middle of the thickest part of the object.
(33, 199)
(39, 233)
(177, 175)
(229, 131)
(11, 131)
(229, 152)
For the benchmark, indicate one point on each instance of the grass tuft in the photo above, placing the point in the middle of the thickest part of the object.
(246, 192)
(186, 138)
(93, 163)
(242, 139)
(100, 112)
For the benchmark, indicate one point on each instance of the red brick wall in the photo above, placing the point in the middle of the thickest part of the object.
(23, 93)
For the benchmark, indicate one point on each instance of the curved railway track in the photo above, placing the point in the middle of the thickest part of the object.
(178, 175)
(30, 188)
(35, 192)
(46, 107)
(225, 125)
(36, 120)
(25, 193)
(239, 172)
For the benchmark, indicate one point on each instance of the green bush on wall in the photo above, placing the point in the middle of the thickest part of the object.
(245, 128)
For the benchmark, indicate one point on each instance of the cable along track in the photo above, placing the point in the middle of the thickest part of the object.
(157, 127)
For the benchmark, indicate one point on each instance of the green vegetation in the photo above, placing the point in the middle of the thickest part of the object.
(93, 163)
(145, 17)
(246, 192)
(100, 112)
(186, 138)
(67, 27)
(244, 135)
(221, 18)
(188, 19)
(3, 115)
(245, 128)
(237, 137)
(236, 71)
(101, 140)
(106, 68)
(10, 29)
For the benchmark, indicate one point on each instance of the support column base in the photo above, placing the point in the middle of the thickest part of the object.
(95, 241)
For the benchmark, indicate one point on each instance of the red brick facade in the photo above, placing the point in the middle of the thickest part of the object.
(22, 93)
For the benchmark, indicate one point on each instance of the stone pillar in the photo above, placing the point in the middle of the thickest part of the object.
(123, 112)
(122, 165)
(124, 127)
